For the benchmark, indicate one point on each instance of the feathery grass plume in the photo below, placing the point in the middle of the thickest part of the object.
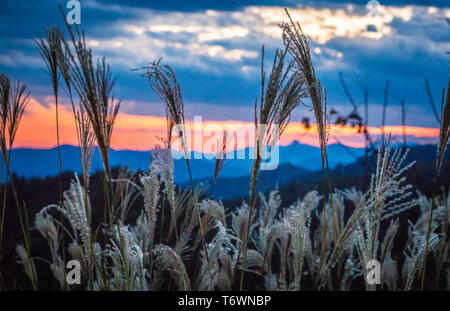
(167, 260)
(5, 92)
(49, 46)
(86, 142)
(45, 224)
(94, 84)
(320, 245)
(219, 273)
(239, 221)
(388, 193)
(13, 100)
(346, 240)
(145, 227)
(283, 92)
(269, 229)
(180, 204)
(127, 261)
(27, 263)
(75, 211)
(239, 224)
(298, 223)
(186, 221)
(213, 213)
(269, 208)
(162, 165)
(415, 255)
(125, 193)
(150, 192)
(78, 215)
(444, 135)
(440, 252)
(151, 187)
(284, 247)
(161, 173)
(85, 133)
(19, 100)
(266, 242)
(163, 82)
(298, 46)
(389, 273)
(215, 209)
(424, 203)
(64, 56)
(223, 148)
(351, 271)
(386, 197)
(227, 263)
(444, 129)
(221, 250)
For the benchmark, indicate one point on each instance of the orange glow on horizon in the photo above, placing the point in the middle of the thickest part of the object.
(136, 132)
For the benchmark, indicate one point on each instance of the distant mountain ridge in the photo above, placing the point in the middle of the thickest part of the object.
(234, 179)
(44, 162)
(294, 182)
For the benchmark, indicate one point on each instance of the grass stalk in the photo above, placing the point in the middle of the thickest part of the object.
(444, 135)
(48, 46)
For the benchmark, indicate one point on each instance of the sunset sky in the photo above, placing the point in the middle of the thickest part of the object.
(214, 48)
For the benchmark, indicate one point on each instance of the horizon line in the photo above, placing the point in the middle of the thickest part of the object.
(142, 133)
